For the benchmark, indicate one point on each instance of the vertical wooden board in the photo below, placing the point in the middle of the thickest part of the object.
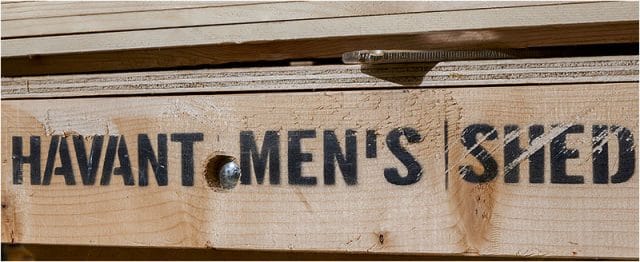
(440, 213)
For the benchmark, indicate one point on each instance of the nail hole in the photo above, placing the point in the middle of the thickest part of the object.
(212, 172)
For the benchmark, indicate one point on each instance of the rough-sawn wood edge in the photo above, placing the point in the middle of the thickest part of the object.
(329, 77)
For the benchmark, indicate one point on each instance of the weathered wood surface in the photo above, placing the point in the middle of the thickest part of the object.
(26, 10)
(442, 213)
(205, 55)
(308, 78)
(111, 36)
(409, 23)
(208, 14)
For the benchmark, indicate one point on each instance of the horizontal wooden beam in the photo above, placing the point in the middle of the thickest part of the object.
(209, 14)
(411, 23)
(418, 171)
(207, 55)
(34, 10)
(309, 78)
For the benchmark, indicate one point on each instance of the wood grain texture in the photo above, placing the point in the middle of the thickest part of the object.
(205, 55)
(494, 218)
(307, 78)
(226, 14)
(18, 10)
(413, 23)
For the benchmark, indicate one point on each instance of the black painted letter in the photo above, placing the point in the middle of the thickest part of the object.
(489, 164)
(296, 157)
(88, 167)
(626, 155)
(249, 150)
(512, 151)
(118, 146)
(332, 153)
(19, 159)
(187, 140)
(65, 159)
(413, 167)
(559, 155)
(159, 165)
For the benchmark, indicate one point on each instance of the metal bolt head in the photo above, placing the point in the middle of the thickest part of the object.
(229, 175)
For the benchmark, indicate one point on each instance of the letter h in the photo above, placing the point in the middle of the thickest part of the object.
(19, 159)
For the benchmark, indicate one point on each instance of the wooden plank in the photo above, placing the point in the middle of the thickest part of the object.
(15, 1)
(230, 14)
(207, 55)
(415, 23)
(454, 74)
(441, 213)
(41, 9)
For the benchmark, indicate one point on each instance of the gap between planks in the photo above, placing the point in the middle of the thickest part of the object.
(204, 55)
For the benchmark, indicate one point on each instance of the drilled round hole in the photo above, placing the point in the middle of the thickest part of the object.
(222, 172)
